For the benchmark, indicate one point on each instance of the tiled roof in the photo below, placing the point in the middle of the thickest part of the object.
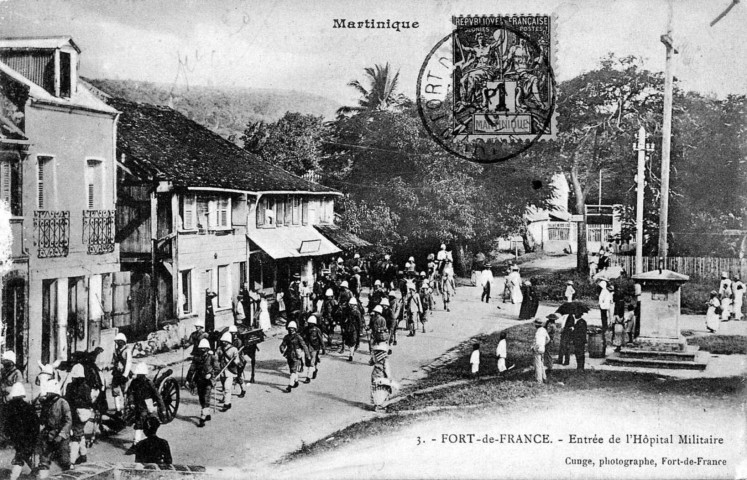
(171, 147)
(342, 238)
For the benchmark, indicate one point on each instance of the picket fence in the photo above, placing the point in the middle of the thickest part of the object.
(698, 268)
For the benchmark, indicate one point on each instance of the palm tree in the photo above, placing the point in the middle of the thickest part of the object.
(380, 94)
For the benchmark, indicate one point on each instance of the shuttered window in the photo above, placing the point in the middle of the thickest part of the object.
(280, 218)
(224, 212)
(5, 181)
(189, 212)
(186, 291)
(44, 182)
(305, 211)
(94, 184)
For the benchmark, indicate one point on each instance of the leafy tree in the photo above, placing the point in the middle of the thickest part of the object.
(599, 114)
(294, 142)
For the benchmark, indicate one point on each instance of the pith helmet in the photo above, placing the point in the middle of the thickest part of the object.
(140, 369)
(120, 337)
(9, 356)
(292, 325)
(311, 319)
(226, 337)
(378, 309)
(204, 344)
(233, 329)
(77, 371)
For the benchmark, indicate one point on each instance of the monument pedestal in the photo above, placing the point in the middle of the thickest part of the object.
(660, 344)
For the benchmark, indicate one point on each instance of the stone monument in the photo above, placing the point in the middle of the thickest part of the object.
(660, 343)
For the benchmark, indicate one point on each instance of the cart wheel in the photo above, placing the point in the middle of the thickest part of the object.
(169, 391)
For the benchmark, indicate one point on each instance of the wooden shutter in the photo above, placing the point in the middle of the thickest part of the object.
(280, 215)
(40, 183)
(288, 209)
(261, 212)
(188, 212)
(305, 211)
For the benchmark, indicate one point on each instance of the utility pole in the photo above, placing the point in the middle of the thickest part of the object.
(643, 149)
(666, 138)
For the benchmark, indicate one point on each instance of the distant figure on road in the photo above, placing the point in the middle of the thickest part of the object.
(486, 279)
(315, 342)
(295, 351)
(382, 384)
(529, 303)
(513, 281)
(739, 290)
(725, 292)
(569, 291)
(201, 376)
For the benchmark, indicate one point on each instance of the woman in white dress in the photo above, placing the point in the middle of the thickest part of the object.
(713, 315)
(264, 315)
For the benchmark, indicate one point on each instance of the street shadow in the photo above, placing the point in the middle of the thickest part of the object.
(352, 403)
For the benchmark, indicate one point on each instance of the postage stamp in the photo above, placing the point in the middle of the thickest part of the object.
(487, 91)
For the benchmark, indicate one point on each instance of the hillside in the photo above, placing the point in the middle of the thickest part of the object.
(224, 110)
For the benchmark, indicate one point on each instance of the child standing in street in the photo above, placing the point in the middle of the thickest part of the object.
(474, 360)
(500, 352)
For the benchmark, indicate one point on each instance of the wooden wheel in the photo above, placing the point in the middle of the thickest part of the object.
(169, 390)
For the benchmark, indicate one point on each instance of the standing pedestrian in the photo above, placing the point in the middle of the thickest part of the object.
(264, 314)
(566, 340)
(56, 422)
(351, 335)
(241, 359)
(629, 322)
(143, 401)
(295, 351)
(529, 303)
(78, 396)
(21, 427)
(201, 376)
(121, 371)
(396, 305)
(541, 339)
(305, 291)
(486, 280)
(514, 283)
(579, 341)
(713, 314)
(315, 343)
(606, 304)
(239, 315)
(229, 361)
(551, 327)
(569, 291)
(725, 292)
(413, 308)
(328, 311)
(739, 290)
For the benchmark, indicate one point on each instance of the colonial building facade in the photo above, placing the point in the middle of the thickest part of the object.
(57, 173)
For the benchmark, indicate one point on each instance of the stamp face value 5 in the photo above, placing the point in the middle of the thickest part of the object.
(491, 81)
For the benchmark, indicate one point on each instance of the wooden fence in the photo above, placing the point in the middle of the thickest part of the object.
(698, 268)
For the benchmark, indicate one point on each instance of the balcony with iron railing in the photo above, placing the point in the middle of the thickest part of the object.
(98, 231)
(52, 231)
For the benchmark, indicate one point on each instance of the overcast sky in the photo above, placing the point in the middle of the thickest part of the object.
(292, 45)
